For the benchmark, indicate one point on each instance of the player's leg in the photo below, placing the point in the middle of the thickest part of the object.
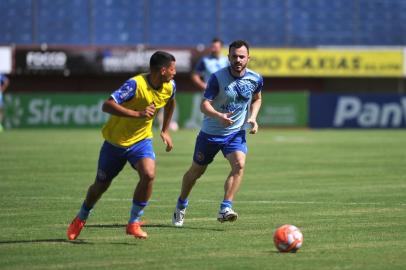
(142, 158)
(1, 111)
(204, 153)
(232, 184)
(235, 152)
(189, 180)
(111, 162)
(142, 193)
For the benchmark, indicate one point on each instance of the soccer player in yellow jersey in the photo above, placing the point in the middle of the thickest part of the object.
(128, 138)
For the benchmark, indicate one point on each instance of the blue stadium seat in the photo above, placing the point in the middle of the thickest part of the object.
(181, 23)
(260, 22)
(382, 23)
(63, 22)
(323, 22)
(16, 22)
(264, 23)
(118, 22)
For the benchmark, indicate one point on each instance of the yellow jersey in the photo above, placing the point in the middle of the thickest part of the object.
(136, 94)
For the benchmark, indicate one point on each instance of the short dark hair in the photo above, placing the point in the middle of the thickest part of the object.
(216, 39)
(160, 59)
(238, 44)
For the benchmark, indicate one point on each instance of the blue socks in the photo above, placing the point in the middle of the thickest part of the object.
(182, 204)
(225, 204)
(137, 211)
(84, 212)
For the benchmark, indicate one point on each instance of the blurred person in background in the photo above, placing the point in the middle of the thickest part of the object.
(4, 83)
(231, 102)
(206, 66)
(209, 64)
(128, 138)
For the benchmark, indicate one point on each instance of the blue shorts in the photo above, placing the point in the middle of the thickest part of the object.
(113, 158)
(207, 146)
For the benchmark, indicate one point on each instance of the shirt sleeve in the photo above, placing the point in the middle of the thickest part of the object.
(212, 88)
(125, 92)
(260, 85)
(200, 67)
(2, 79)
(174, 89)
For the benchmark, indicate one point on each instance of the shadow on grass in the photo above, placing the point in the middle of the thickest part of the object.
(76, 242)
(164, 226)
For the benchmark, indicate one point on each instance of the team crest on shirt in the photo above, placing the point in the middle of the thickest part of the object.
(199, 156)
(126, 91)
(239, 93)
(101, 175)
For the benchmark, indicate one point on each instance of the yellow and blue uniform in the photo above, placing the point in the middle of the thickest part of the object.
(136, 94)
(130, 139)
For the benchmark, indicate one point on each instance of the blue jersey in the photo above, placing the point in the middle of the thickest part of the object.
(210, 64)
(3, 79)
(230, 94)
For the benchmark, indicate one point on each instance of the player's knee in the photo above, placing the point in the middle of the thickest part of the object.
(194, 174)
(148, 176)
(238, 168)
(100, 186)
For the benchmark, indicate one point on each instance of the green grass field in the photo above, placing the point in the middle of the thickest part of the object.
(346, 190)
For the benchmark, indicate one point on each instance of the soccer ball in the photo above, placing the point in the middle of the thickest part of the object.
(288, 238)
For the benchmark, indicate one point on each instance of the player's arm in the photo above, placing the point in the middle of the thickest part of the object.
(125, 93)
(197, 80)
(5, 84)
(112, 107)
(196, 75)
(224, 118)
(168, 112)
(255, 106)
(206, 105)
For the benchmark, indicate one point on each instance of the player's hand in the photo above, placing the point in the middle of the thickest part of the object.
(149, 111)
(254, 126)
(225, 119)
(166, 138)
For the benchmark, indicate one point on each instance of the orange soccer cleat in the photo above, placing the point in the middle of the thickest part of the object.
(75, 227)
(135, 230)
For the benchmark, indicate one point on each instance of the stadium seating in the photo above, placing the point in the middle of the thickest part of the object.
(16, 22)
(62, 22)
(181, 23)
(118, 22)
(266, 23)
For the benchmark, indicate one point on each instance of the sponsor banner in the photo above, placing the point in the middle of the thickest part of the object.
(84, 110)
(327, 62)
(54, 110)
(278, 109)
(56, 61)
(283, 109)
(357, 111)
(137, 60)
(6, 62)
(70, 61)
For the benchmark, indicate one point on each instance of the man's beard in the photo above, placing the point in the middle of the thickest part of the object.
(235, 68)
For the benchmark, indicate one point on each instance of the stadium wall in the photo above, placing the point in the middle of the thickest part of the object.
(300, 85)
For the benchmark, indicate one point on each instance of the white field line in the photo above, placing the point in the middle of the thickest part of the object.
(67, 198)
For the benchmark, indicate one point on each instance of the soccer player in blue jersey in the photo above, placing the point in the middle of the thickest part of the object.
(209, 64)
(206, 66)
(232, 100)
(128, 138)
